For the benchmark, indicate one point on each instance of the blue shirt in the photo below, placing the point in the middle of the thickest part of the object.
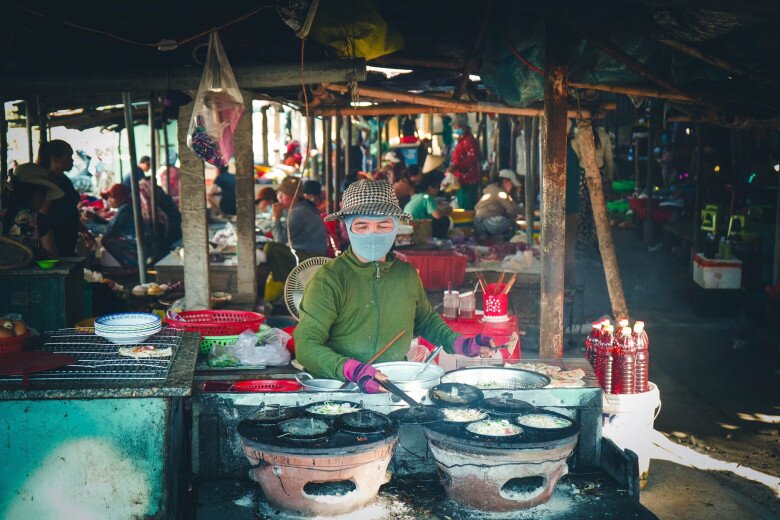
(227, 183)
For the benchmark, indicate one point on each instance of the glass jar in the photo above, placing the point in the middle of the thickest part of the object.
(451, 305)
(468, 305)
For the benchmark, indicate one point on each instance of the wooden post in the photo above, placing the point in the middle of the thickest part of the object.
(328, 158)
(167, 156)
(776, 258)
(42, 121)
(245, 206)
(553, 196)
(338, 173)
(266, 157)
(530, 186)
(378, 143)
(699, 195)
(152, 168)
(603, 232)
(312, 146)
(137, 217)
(347, 165)
(28, 125)
(3, 150)
(636, 164)
(192, 198)
(653, 136)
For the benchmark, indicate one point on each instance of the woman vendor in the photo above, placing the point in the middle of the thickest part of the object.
(357, 302)
(29, 190)
(119, 232)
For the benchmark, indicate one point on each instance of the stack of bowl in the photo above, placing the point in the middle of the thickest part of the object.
(128, 327)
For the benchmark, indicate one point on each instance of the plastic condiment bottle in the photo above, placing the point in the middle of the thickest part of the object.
(592, 343)
(624, 362)
(451, 304)
(642, 365)
(604, 359)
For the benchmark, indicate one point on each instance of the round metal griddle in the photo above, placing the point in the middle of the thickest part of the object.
(455, 395)
(363, 422)
(505, 406)
(325, 416)
(571, 424)
(303, 429)
(417, 415)
(494, 378)
(274, 415)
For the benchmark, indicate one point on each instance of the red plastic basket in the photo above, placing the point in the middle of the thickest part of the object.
(437, 268)
(15, 344)
(217, 323)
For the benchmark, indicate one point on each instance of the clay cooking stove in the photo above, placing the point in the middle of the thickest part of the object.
(500, 474)
(311, 464)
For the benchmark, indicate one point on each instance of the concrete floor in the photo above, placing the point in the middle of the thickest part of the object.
(719, 389)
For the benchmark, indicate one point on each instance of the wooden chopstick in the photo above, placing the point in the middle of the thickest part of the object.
(509, 284)
(382, 350)
(500, 281)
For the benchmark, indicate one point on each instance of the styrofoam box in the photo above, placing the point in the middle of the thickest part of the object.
(717, 274)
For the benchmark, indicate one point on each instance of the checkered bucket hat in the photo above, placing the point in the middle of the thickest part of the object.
(366, 197)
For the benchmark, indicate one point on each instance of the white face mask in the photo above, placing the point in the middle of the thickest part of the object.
(371, 246)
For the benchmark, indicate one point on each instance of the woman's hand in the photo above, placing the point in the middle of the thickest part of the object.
(480, 345)
(276, 211)
(364, 375)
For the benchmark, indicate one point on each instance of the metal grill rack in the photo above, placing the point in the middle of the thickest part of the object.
(98, 358)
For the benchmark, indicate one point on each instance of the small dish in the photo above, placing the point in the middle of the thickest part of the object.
(47, 264)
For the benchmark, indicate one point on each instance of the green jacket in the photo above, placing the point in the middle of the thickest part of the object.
(351, 310)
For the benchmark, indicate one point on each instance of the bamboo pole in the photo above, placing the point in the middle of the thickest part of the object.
(28, 128)
(378, 143)
(553, 196)
(338, 173)
(631, 90)
(348, 146)
(167, 156)
(776, 258)
(705, 57)
(328, 164)
(153, 177)
(530, 185)
(139, 228)
(603, 231)
(3, 150)
(430, 102)
(699, 194)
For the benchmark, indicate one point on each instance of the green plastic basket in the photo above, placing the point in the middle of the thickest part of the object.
(623, 186)
(216, 341)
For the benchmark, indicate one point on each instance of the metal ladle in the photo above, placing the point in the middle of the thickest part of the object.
(431, 357)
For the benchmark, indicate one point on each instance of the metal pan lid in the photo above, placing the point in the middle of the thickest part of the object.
(417, 415)
(505, 404)
(363, 422)
(455, 395)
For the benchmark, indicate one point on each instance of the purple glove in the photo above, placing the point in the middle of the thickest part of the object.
(471, 346)
(361, 374)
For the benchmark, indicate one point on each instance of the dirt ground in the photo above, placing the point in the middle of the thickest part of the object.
(719, 381)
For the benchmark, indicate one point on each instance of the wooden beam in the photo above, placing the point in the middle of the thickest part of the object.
(248, 77)
(603, 231)
(412, 62)
(430, 104)
(195, 234)
(633, 64)
(153, 170)
(553, 195)
(757, 7)
(630, 90)
(136, 201)
(246, 275)
(705, 57)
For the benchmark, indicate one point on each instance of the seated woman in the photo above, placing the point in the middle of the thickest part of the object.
(119, 232)
(496, 212)
(425, 206)
(28, 190)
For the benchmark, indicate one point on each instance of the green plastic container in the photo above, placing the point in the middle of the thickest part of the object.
(626, 186)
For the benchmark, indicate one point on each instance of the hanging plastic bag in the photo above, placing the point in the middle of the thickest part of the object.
(218, 107)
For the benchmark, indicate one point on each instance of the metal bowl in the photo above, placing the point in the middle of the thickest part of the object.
(402, 374)
(488, 378)
(310, 384)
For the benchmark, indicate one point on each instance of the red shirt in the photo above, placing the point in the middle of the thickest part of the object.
(465, 160)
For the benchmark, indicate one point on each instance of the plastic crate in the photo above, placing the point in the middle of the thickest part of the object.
(437, 269)
(217, 323)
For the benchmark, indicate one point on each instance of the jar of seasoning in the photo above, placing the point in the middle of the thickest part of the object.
(468, 305)
(451, 304)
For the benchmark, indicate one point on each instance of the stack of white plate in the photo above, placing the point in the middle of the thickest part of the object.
(128, 327)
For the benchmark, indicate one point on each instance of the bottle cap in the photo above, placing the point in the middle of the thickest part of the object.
(639, 326)
(608, 328)
(597, 325)
(605, 321)
(626, 331)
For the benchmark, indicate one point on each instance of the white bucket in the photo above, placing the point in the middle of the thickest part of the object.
(628, 422)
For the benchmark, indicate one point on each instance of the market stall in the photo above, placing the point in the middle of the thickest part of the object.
(117, 422)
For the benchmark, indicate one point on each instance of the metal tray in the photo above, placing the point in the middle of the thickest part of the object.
(487, 378)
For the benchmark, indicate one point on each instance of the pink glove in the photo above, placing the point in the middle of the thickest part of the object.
(361, 374)
(471, 346)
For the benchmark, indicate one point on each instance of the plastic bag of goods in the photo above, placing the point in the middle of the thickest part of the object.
(218, 107)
